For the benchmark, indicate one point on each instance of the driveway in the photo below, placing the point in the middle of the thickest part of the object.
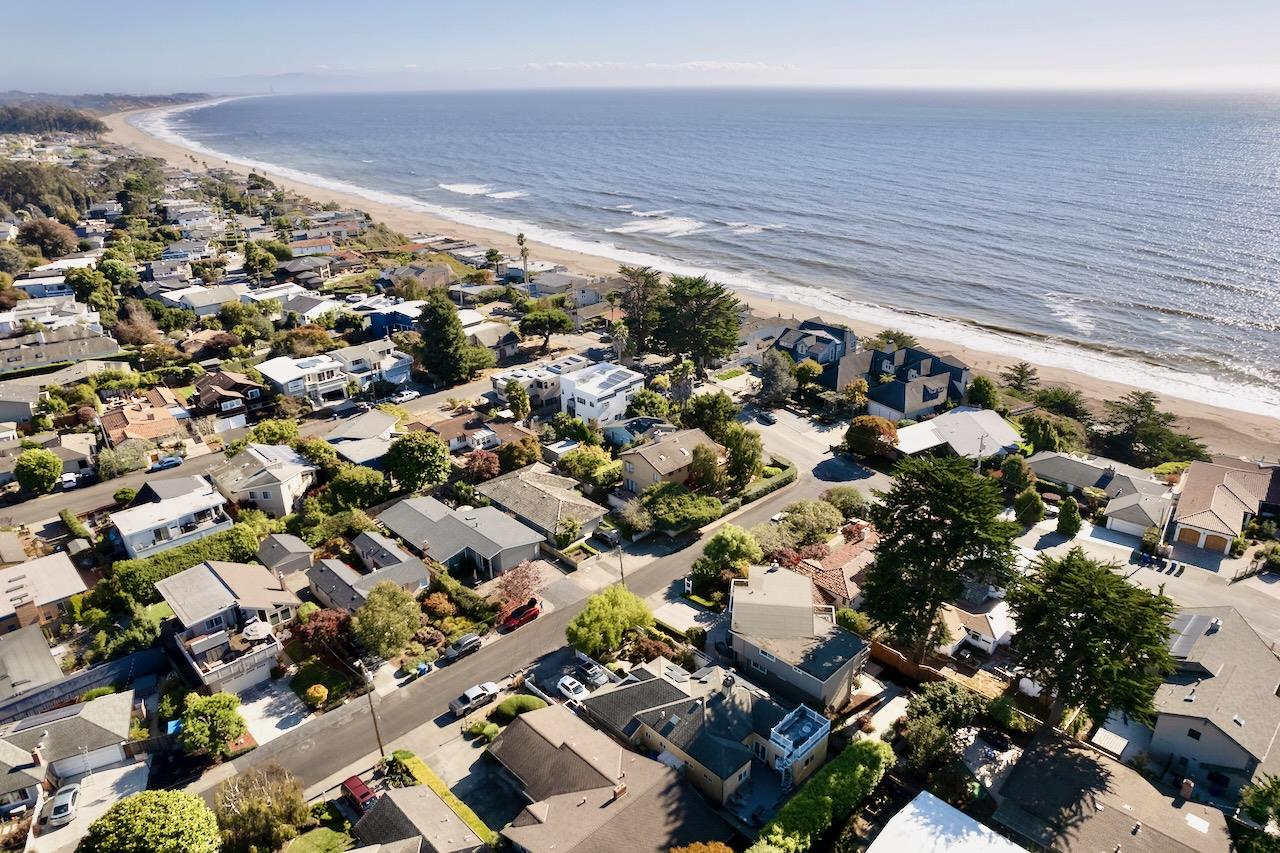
(271, 709)
(477, 780)
(98, 792)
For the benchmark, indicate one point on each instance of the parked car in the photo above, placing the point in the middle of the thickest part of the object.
(69, 481)
(461, 647)
(594, 674)
(358, 794)
(64, 805)
(526, 612)
(767, 418)
(475, 697)
(355, 297)
(572, 689)
(166, 463)
(777, 517)
(405, 396)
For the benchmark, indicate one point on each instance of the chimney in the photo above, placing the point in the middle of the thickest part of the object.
(1187, 789)
(619, 791)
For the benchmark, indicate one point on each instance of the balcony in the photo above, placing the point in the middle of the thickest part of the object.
(221, 655)
(187, 531)
(799, 732)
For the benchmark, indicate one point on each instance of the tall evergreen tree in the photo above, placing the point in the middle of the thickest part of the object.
(939, 523)
(706, 324)
(642, 301)
(1020, 377)
(1091, 638)
(444, 345)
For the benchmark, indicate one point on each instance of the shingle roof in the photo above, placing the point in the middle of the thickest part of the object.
(543, 498)
(41, 581)
(90, 725)
(348, 588)
(1217, 497)
(211, 587)
(26, 661)
(281, 548)
(428, 525)
(616, 709)
(261, 465)
(670, 452)
(415, 812)
(372, 424)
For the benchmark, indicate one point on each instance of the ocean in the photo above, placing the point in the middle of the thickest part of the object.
(1135, 237)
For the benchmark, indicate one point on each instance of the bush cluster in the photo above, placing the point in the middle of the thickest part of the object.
(137, 578)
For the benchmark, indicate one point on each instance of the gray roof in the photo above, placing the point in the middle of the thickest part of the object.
(26, 661)
(348, 588)
(363, 451)
(1137, 508)
(1084, 471)
(90, 725)
(416, 812)
(540, 497)
(213, 586)
(377, 551)
(670, 452)
(617, 709)
(283, 549)
(429, 526)
(11, 550)
(1064, 796)
(18, 770)
(261, 465)
(371, 424)
(1232, 673)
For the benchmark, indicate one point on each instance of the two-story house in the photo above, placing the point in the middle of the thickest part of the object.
(905, 383)
(474, 431)
(782, 640)
(715, 727)
(229, 613)
(1218, 715)
(272, 478)
(1220, 498)
(318, 378)
(540, 381)
(228, 398)
(365, 438)
(600, 393)
(666, 459)
(376, 361)
(815, 340)
(37, 592)
(169, 513)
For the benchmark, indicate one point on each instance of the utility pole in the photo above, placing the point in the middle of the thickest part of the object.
(621, 568)
(377, 732)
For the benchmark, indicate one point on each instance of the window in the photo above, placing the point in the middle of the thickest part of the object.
(253, 393)
(807, 760)
(757, 666)
(1193, 734)
(266, 496)
(746, 771)
(215, 622)
(631, 468)
(766, 655)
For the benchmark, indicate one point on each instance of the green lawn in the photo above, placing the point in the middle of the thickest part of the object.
(160, 611)
(312, 671)
(321, 840)
(731, 373)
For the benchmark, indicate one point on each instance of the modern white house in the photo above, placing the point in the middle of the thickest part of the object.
(541, 381)
(272, 478)
(185, 509)
(319, 378)
(599, 393)
(376, 361)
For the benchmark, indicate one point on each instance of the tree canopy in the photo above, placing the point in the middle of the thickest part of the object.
(1020, 377)
(417, 460)
(811, 522)
(983, 393)
(711, 413)
(211, 723)
(1136, 431)
(49, 236)
(642, 298)
(444, 345)
(744, 450)
(777, 382)
(154, 822)
(674, 507)
(545, 322)
(730, 549)
(258, 809)
(600, 626)
(517, 399)
(646, 401)
(871, 435)
(37, 470)
(705, 326)
(387, 620)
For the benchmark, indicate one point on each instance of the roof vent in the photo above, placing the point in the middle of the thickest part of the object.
(1190, 697)
(1238, 720)
(1214, 624)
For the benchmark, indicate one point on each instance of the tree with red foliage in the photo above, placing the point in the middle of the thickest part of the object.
(323, 628)
(516, 587)
(482, 465)
(792, 557)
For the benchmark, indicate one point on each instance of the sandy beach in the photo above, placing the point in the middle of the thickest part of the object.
(1223, 430)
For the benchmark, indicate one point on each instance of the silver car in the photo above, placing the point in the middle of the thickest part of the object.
(64, 805)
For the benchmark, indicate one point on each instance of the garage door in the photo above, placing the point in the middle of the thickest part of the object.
(252, 678)
(1188, 536)
(1126, 527)
(1216, 543)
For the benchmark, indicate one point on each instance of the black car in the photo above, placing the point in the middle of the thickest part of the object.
(461, 647)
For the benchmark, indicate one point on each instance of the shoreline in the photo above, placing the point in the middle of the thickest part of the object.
(1223, 429)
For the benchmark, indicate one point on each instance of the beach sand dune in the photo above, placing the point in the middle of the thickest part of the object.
(1223, 430)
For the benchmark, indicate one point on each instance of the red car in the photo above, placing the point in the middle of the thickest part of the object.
(526, 612)
(358, 793)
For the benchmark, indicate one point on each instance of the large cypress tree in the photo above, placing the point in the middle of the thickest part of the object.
(704, 320)
(1091, 638)
(938, 524)
(444, 345)
(642, 300)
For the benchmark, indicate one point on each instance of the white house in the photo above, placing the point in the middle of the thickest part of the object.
(319, 378)
(540, 381)
(184, 510)
(308, 307)
(188, 250)
(52, 312)
(272, 478)
(39, 287)
(376, 361)
(599, 393)
(203, 301)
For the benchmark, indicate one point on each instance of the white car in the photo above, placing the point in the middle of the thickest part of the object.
(572, 689)
(64, 805)
(475, 697)
(777, 517)
(69, 481)
(405, 396)
(355, 297)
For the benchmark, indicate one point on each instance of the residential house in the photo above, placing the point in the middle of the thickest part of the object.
(780, 638)
(496, 336)
(308, 308)
(310, 272)
(185, 509)
(168, 271)
(140, 420)
(386, 319)
(272, 478)
(839, 576)
(930, 825)
(228, 398)
(108, 209)
(540, 381)
(550, 284)
(189, 250)
(203, 301)
(318, 378)
(1218, 714)
(47, 348)
(45, 287)
(53, 746)
(419, 815)
(276, 292)
(666, 459)
(1220, 498)
(543, 501)
(711, 725)
(1066, 797)
(586, 794)
(73, 373)
(985, 625)
(963, 431)
(376, 361)
(429, 273)
(284, 554)
(77, 450)
(21, 777)
(815, 340)
(52, 312)
(1135, 499)
(600, 393)
(365, 438)
(639, 428)
(318, 246)
(485, 538)
(26, 662)
(918, 382)
(18, 401)
(337, 585)
(474, 431)
(36, 592)
(229, 613)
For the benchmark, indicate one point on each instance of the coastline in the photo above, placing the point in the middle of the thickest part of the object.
(1223, 429)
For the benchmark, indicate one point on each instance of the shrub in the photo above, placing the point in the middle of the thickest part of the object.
(477, 728)
(696, 637)
(1004, 714)
(137, 578)
(95, 692)
(852, 620)
(512, 707)
(316, 695)
(439, 606)
(1028, 508)
(125, 495)
(470, 603)
(847, 499)
(307, 610)
(675, 508)
(77, 527)
(490, 732)
(828, 798)
(759, 488)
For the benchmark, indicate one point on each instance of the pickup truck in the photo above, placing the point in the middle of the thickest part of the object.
(475, 697)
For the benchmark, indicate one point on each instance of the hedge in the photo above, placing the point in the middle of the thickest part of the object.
(138, 577)
(758, 489)
(470, 603)
(509, 709)
(77, 527)
(829, 797)
(425, 776)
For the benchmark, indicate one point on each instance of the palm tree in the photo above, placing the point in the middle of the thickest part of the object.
(524, 256)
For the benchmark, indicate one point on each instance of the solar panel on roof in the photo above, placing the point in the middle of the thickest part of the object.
(47, 717)
(1187, 629)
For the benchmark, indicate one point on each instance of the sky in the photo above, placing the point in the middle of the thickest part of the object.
(232, 46)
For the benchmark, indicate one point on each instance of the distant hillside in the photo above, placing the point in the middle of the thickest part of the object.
(103, 103)
(47, 118)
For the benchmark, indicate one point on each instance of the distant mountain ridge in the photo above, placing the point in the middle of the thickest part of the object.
(106, 102)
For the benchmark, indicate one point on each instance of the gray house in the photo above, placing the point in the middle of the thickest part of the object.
(1218, 715)
(285, 553)
(418, 816)
(543, 500)
(1135, 499)
(485, 537)
(337, 585)
(782, 640)
(26, 661)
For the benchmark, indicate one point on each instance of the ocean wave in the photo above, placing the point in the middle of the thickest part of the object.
(505, 194)
(467, 189)
(1048, 352)
(662, 226)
